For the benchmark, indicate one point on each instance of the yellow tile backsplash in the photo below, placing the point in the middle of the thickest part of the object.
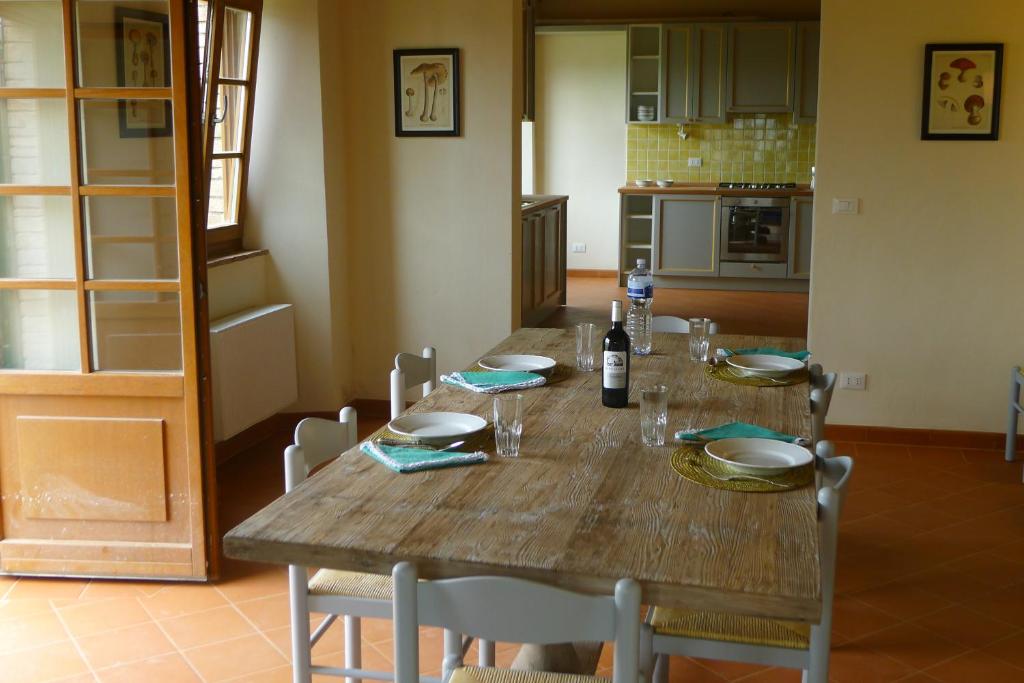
(751, 148)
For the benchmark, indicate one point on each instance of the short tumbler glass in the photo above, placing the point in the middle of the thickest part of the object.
(508, 424)
(653, 414)
(586, 334)
(700, 339)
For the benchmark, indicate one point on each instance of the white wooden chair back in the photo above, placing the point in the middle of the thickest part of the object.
(830, 503)
(822, 388)
(671, 323)
(410, 371)
(516, 611)
(317, 441)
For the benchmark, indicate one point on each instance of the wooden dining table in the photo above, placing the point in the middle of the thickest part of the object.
(585, 503)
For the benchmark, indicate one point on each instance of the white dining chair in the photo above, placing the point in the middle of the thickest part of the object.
(513, 610)
(671, 323)
(756, 640)
(821, 398)
(352, 595)
(410, 371)
(1016, 381)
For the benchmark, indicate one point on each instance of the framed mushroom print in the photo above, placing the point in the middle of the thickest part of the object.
(143, 51)
(962, 85)
(427, 92)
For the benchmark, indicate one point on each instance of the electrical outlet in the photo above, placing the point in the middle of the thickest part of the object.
(579, 247)
(856, 381)
(850, 206)
(694, 162)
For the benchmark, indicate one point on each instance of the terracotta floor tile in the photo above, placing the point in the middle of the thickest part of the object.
(234, 658)
(102, 589)
(870, 502)
(853, 663)
(266, 613)
(910, 644)
(92, 617)
(19, 609)
(30, 631)
(966, 627)
(247, 581)
(331, 646)
(204, 628)
(46, 663)
(902, 600)
(686, 670)
(1005, 604)
(975, 667)
(1010, 650)
(729, 671)
(47, 589)
(142, 641)
(177, 600)
(1014, 550)
(775, 675)
(853, 618)
(170, 668)
(918, 678)
(377, 630)
(876, 531)
(281, 674)
(921, 517)
(6, 584)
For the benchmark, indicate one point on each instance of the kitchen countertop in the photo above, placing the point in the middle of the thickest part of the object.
(542, 201)
(712, 188)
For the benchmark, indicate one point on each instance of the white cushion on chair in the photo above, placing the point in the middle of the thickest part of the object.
(351, 584)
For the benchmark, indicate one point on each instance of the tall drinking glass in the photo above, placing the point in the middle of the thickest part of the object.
(508, 424)
(585, 339)
(700, 339)
(653, 414)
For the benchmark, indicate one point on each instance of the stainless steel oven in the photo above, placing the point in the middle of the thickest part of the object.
(755, 229)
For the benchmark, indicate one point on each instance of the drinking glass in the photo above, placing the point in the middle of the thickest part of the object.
(585, 337)
(653, 414)
(508, 424)
(700, 339)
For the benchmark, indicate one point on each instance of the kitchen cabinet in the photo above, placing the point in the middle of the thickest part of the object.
(543, 274)
(685, 236)
(694, 66)
(643, 73)
(761, 67)
(801, 219)
(805, 101)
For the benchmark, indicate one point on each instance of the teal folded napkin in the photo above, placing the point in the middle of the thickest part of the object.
(766, 351)
(735, 430)
(414, 459)
(494, 382)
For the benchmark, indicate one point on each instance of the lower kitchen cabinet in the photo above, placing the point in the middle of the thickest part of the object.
(544, 235)
(801, 219)
(685, 236)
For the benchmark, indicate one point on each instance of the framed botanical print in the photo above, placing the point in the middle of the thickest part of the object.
(962, 86)
(143, 51)
(427, 92)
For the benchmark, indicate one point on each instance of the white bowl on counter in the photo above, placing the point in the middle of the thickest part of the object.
(666, 183)
(643, 183)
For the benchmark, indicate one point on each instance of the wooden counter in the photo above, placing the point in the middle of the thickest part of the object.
(713, 189)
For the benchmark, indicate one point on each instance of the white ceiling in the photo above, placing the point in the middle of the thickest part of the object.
(565, 11)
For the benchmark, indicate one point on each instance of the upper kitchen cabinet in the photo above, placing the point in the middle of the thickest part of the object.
(805, 107)
(761, 67)
(644, 73)
(694, 69)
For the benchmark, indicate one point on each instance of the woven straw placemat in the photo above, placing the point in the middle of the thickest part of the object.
(692, 463)
(561, 373)
(725, 373)
(481, 441)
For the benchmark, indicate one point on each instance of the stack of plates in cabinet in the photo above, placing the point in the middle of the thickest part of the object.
(645, 112)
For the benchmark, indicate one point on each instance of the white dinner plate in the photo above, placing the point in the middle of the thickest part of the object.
(764, 364)
(542, 365)
(759, 456)
(437, 428)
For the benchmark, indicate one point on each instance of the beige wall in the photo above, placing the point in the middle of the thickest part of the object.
(920, 290)
(429, 221)
(286, 204)
(580, 139)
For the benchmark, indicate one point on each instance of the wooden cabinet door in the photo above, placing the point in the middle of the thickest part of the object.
(677, 74)
(805, 106)
(686, 235)
(708, 67)
(761, 59)
(101, 459)
(801, 221)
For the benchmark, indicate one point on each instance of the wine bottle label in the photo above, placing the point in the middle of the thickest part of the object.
(615, 369)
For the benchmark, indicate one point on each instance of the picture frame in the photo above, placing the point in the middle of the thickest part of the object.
(427, 92)
(962, 91)
(143, 53)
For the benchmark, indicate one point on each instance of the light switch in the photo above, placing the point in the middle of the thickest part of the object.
(694, 162)
(845, 205)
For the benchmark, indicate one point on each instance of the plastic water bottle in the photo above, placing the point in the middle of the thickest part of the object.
(640, 290)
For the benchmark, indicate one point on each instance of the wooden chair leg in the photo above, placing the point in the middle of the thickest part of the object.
(297, 584)
(353, 646)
